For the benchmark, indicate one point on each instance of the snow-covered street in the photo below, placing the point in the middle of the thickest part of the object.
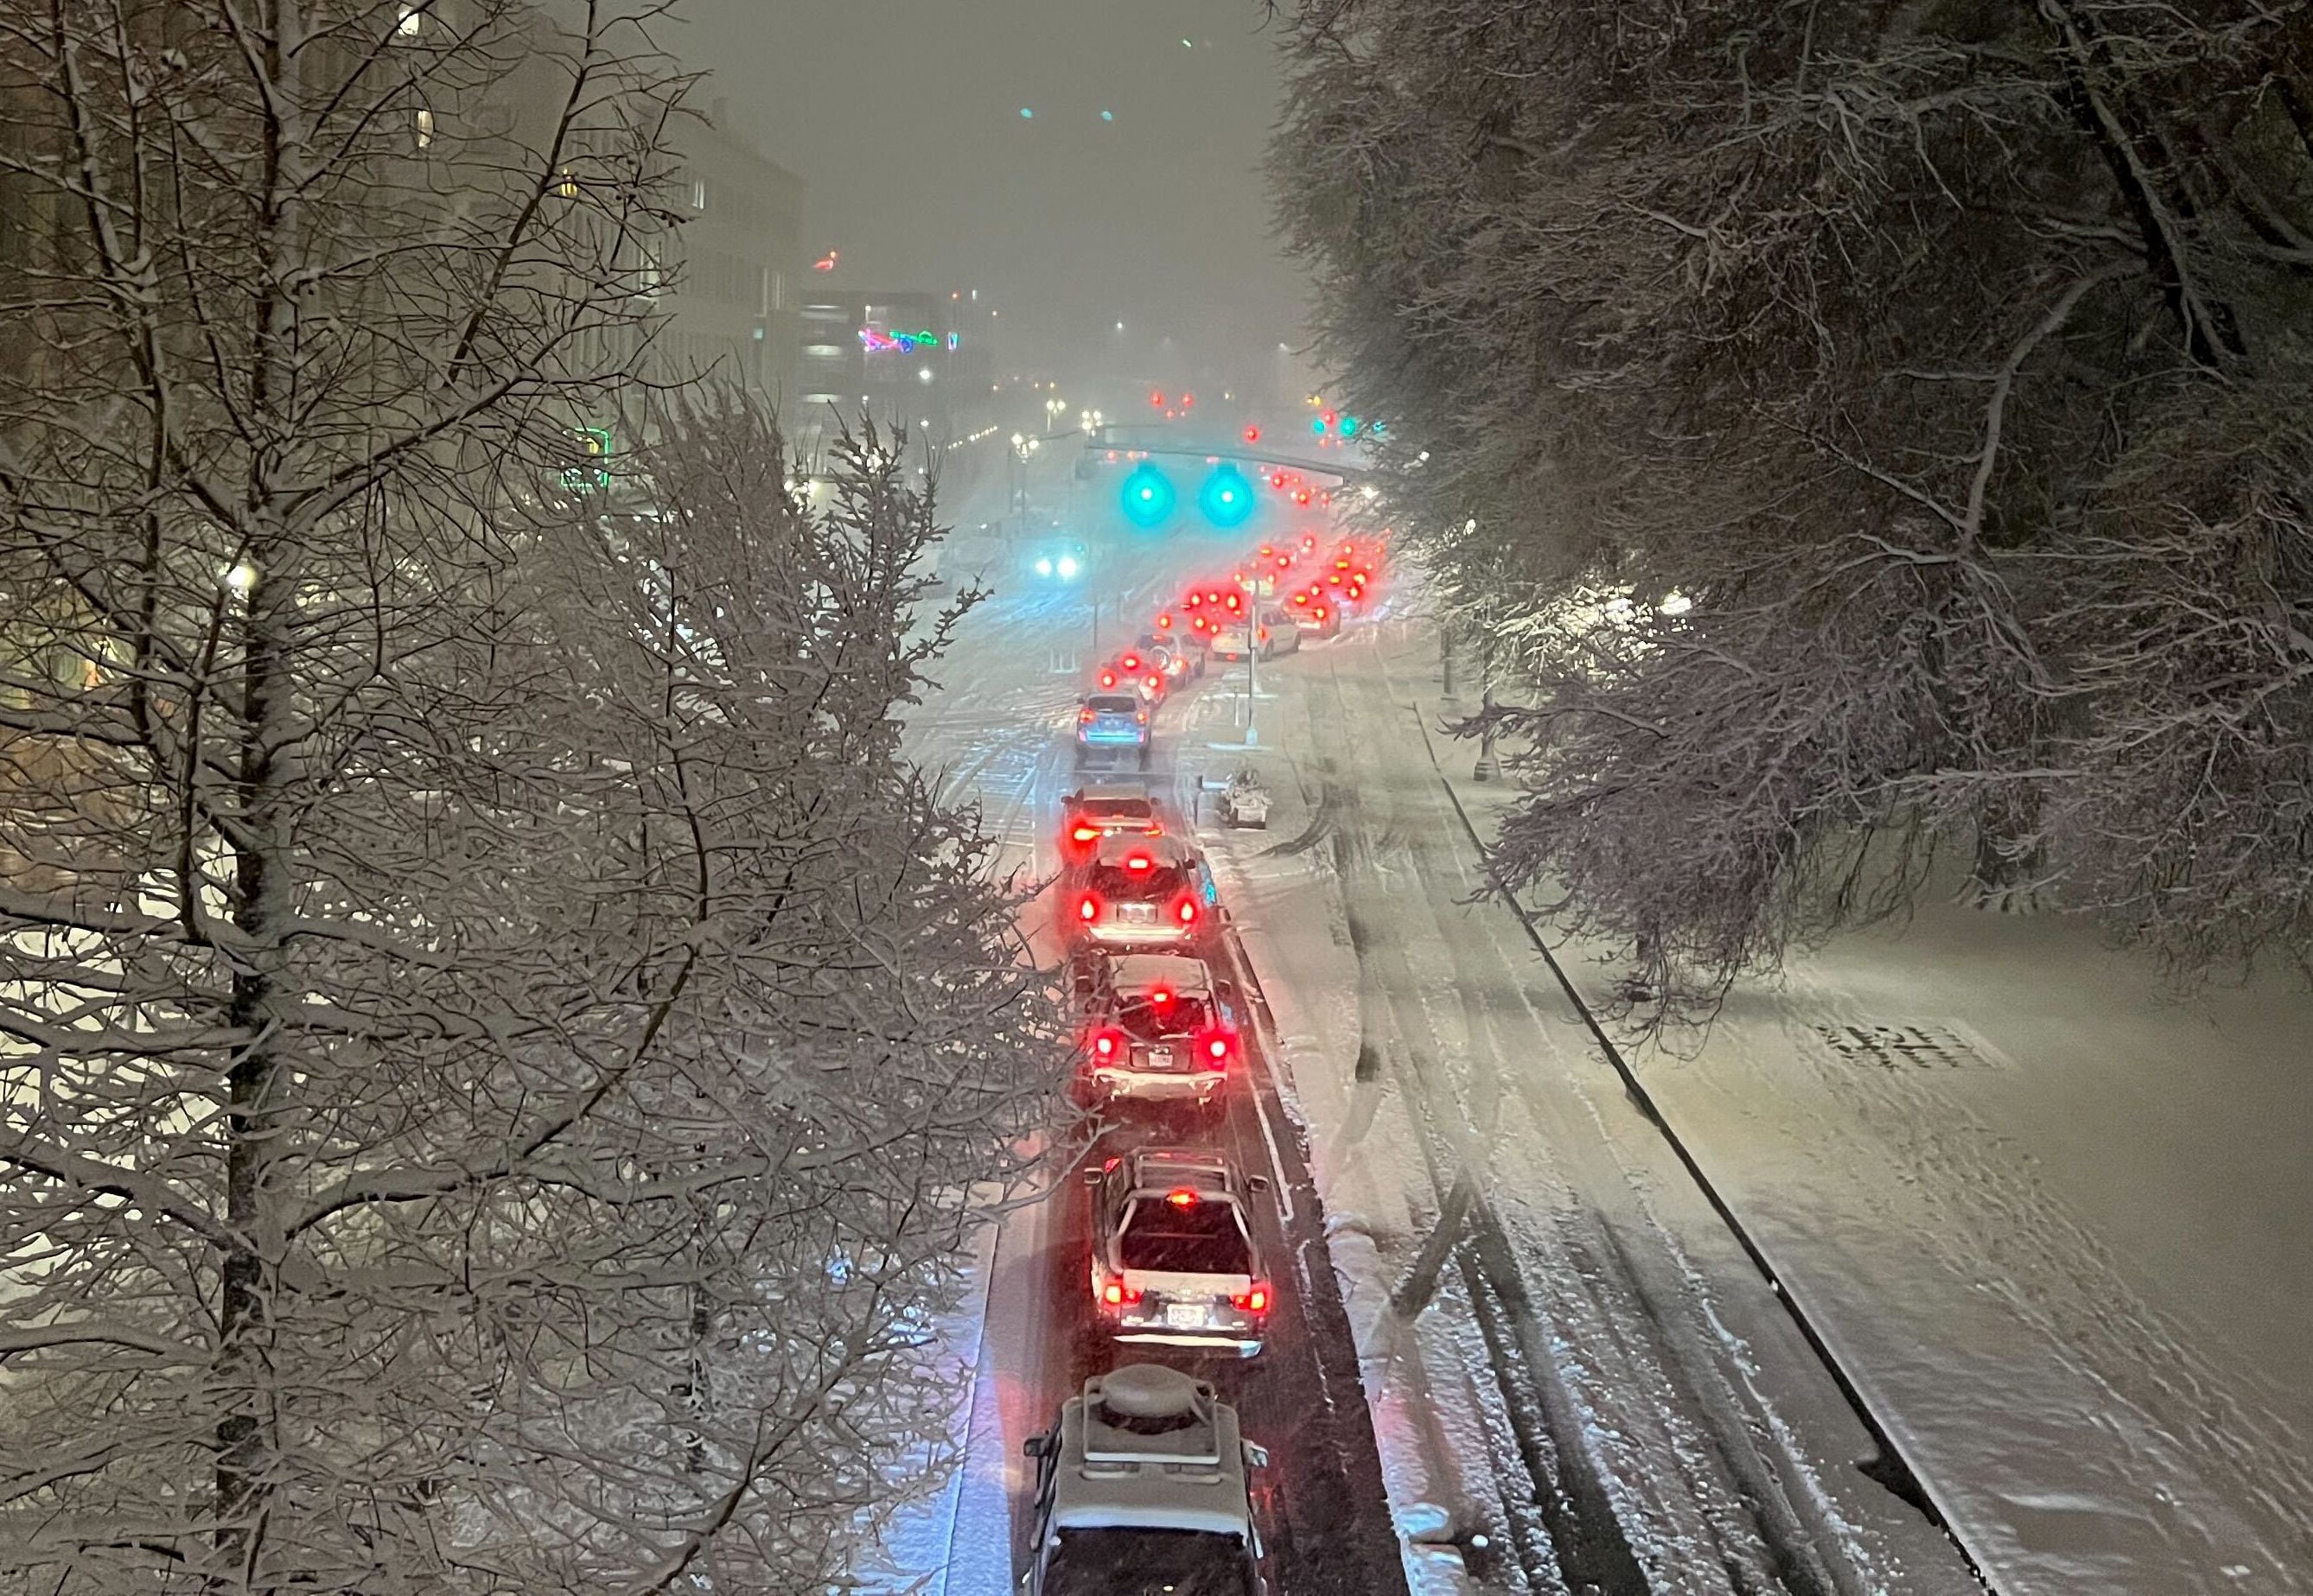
(1962, 1144)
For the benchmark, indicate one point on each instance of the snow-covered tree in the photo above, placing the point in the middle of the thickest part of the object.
(497, 1052)
(1944, 365)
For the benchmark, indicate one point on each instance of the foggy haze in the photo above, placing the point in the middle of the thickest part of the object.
(903, 117)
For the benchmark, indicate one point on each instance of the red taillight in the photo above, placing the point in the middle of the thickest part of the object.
(1218, 1047)
(1086, 834)
(1139, 862)
(1084, 717)
(1182, 1198)
(1088, 908)
(1235, 602)
(1214, 1053)
(1106, 1044)
(1108, 679)
(1300, 597)
(1165, 623)
(1321, 612)
(1118, 1295)
(1141, 715)
(1153, 683)
(1256, 1301)
(1130, 662)
(1187, 911)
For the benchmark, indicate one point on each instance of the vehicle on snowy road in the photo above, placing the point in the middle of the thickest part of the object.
(1142, 891)
(1174, 1261)
(1107, 809)
(1112, 724)
(1141, 1491)
(1160, 1033)
(1271, 630)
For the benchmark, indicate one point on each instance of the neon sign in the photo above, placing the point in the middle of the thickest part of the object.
(901, 343)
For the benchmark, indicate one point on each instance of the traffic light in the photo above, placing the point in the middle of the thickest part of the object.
(1156, 399)
(1253, 434)
(1149, 496)
(1226, 497)
(1349, 426)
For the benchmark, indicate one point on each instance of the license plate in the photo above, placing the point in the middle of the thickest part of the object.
(1184, 1316)
(1160, 1058)
(1139, 914)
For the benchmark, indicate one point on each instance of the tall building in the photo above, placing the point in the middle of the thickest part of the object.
(731, 307)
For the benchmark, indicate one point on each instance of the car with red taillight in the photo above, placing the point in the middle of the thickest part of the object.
(1115, 723)
(1160, 1033)
(1141, 891)
(1175, 1259)
(1110, 808)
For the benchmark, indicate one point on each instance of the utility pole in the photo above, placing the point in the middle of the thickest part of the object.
(1252, 673)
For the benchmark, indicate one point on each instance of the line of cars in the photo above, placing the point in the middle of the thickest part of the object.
(1274, 598)
(1143, 1483)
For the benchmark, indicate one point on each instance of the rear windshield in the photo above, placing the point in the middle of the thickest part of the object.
(1118, 809)
(1202, 1239)
(1113, 881)
(1149, 1022)
(1111, 703)
(1148, 1563)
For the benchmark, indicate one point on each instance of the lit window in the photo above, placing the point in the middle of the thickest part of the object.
(569, 186)
(425, 126)
(412, 23)
(698, 194)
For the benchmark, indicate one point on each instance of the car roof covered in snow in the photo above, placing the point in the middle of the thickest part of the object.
(1148, 1447)
(1177, 973)
(1116, 847)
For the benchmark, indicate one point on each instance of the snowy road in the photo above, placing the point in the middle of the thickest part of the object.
(997, 731)
(2079, 1318)
(1608, 1393)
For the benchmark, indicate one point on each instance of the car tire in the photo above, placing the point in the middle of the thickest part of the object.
(1144, 751)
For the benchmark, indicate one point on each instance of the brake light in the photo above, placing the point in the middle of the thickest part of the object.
(1154, 682)
(1213, 1053)
(1118, 1295)
(1160, 996)
(1236, 601)
(1088, 908)
(1139, 862)
(1165, 623)
(1256, 1301)
(1084, 717)
(1300, 597)
(1182, 1198)
(1217, 1047)
(1086, 834)
(1105, 1044)
(1187, 911)
(1321, 612)
(1130, 662)
(1108, 679)
(1140, 715)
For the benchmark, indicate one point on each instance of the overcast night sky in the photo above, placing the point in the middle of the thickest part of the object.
(903, 118)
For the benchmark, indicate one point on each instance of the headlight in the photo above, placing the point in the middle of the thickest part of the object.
(1068, 567)
(1044, 567)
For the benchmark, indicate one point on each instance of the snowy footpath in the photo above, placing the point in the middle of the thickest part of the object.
(2055, 1223)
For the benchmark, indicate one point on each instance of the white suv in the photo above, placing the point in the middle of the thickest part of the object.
(1141, 1489)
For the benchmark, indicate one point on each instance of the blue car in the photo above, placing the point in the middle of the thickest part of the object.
(1112, 723)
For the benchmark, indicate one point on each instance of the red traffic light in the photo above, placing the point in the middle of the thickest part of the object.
(1157, 398)
(1187, 400)
(1253, 434)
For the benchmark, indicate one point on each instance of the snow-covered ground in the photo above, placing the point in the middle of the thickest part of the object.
(2053, 1223)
